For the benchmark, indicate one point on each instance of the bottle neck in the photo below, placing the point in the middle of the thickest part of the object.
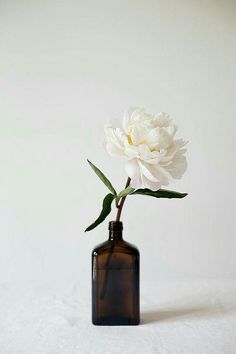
(115, 235)
(115, 230)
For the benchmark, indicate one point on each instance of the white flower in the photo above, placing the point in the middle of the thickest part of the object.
(154, 157)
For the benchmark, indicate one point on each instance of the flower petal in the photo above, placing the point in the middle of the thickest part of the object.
(114, 141)
(155, 173)
(133, 171)
(154, 186)
(127, 119)
(178, 166)
(162, 119)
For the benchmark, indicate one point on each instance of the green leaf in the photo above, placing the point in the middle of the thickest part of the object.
(106, 209)
(103, 178)
(126, 191)
(161, 193)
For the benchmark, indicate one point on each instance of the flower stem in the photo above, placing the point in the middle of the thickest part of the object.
(119, 210)
(120, 206)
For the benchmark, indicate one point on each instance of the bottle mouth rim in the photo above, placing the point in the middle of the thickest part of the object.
(115, 226)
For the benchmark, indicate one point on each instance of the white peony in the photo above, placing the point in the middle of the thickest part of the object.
(154, 157)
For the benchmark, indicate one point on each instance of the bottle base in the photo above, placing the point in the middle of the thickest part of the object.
(115, 321)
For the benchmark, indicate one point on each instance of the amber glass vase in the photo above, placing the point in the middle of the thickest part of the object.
(115, 280)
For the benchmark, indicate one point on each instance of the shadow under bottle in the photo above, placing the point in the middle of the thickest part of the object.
(115, 280)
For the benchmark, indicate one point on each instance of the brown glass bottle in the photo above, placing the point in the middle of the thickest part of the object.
(115, 280)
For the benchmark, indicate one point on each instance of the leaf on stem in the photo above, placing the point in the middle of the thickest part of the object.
(124, 193)
(103, 178)
(106, 209)
(161, 193)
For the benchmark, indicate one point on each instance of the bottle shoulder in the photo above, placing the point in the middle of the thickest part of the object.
(116, 246)
(131, 247)
(100, 247)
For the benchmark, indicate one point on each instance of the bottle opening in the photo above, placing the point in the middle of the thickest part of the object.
(115, 226)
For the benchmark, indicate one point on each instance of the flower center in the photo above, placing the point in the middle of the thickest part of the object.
(129, 139)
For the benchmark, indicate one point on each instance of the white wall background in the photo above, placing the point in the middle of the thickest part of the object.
(66, 68)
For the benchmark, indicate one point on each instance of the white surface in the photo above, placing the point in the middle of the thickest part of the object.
(66, 68)
(194, 317)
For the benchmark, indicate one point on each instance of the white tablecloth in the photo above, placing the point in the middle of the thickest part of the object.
(177, 317)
